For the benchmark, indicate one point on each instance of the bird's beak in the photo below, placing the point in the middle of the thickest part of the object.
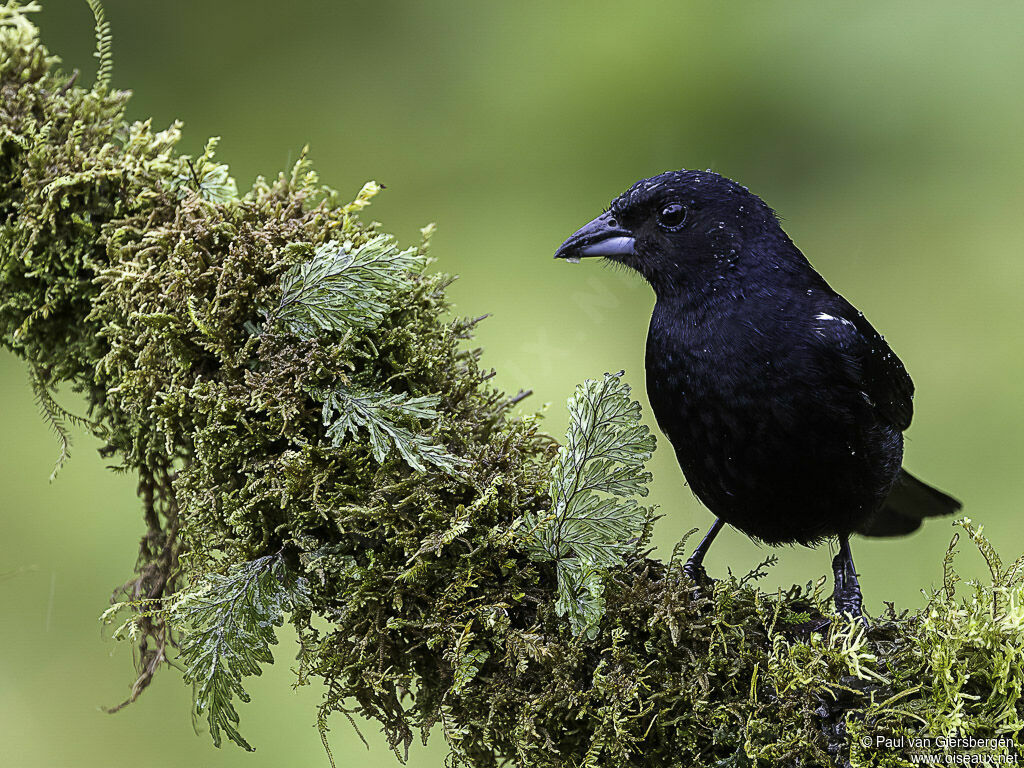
(601, 237)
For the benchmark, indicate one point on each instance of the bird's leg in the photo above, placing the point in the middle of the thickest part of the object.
(847, 595)
(694, 566)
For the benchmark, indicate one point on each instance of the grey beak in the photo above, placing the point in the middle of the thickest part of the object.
(601, 237)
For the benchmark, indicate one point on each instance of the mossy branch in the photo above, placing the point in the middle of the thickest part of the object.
(444, 563)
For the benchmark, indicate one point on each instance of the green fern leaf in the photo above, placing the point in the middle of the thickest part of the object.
(580, 597)
(57, 418)
(348, 410)
(599, 471)
(228, 625)
(342, 288)
(594, 484)
(466, 660)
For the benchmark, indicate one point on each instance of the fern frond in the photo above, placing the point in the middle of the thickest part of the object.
(466, 661)
(52, 416)
(347, 410)
(594, 484)
(104, 46)
(580, 596)
(343, 288)
(56, 417)
(599, 471)
(228, 625)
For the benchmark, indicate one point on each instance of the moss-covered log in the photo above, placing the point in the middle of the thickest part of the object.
(315, 442)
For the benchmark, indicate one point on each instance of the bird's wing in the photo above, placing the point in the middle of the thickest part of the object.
(867, 361)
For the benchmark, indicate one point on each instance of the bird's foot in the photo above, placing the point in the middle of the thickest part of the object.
(849, 604)
(694, 571)
(847, 595)
(694, 566)
(847, 598)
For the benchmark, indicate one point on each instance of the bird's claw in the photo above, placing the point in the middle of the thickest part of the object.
(851, 604)
(695, 572)
(854, 614)
(847, 595)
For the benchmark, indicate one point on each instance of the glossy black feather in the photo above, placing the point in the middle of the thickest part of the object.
(909, 502)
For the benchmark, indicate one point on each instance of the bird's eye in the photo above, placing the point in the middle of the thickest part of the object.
(672, 215)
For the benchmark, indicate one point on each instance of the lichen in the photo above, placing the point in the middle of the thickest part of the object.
(146, 281)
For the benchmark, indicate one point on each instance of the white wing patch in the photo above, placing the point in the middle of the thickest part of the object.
(824, 316)
(823, 330)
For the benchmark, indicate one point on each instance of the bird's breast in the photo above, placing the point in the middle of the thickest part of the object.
(700, 360)
(761, 433)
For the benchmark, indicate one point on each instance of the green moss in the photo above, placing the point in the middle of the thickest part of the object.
(145, 280)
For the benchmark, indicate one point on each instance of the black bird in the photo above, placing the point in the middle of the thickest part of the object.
(785, 407)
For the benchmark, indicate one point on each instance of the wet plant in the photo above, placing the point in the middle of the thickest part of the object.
(316, 441)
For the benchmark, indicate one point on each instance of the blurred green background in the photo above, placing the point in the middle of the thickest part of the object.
(887, 135)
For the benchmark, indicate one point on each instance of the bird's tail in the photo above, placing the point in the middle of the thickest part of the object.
(909, 502)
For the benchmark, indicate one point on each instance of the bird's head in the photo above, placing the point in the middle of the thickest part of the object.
(678, 229)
